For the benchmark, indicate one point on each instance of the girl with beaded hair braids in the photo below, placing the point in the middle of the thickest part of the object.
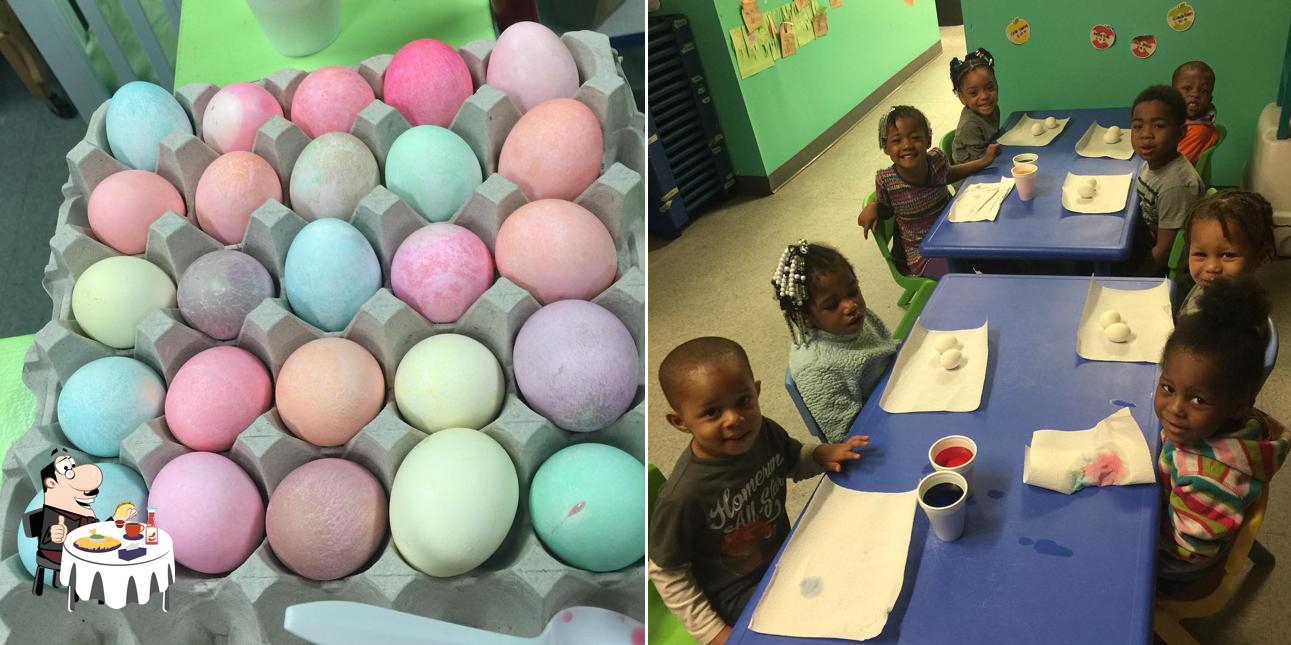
(839, 347)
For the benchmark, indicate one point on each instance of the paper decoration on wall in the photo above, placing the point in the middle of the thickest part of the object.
(752, 16)
(1102, 36)
(754, 52)
(803, 21)
(910, 2)
(1143, 46)
(1018, 31)
(1181, 16)
(820, 24)
(788, 40)
(838, 3)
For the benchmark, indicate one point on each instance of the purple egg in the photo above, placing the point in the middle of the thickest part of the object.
(577, 365)
(441, 270)
(218, 291)
(331, 497)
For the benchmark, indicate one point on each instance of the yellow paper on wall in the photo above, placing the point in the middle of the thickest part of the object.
(756, 56)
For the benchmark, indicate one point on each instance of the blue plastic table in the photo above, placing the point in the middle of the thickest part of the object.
(1041, 229)
(1033, 566)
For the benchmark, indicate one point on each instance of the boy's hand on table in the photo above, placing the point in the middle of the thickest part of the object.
(832, 455)
(720, 638)
(992, 151)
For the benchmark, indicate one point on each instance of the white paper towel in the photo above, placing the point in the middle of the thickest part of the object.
(920, 384)
(1146, 311)
(1091, 144)
(1020, 134)
(980, 202)
(1112, 193)
(1112, 453)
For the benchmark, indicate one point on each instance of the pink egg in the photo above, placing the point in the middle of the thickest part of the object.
(235, 113)
(327, 496)
(231, 188)
(328, 390)
(441, 270)
(427, 81)
(328, 100)
(556, 250)
(122, 207)
(210, 509)
(554, 150)
(531, 65)
(215, 396)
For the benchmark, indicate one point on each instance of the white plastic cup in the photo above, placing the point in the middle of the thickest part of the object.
(298, 27)
(1026, 157)
(1024, 180)
(947, 521)
(955, 441)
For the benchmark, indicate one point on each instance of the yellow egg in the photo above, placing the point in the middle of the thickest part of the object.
(115, 294)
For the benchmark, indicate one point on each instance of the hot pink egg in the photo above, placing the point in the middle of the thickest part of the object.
(328, 100)
(328, 390)
(441, 270)
(554, 150)
(231, 188)
(556, 250)
(215, 396)
(235, 113)
(210, 509)
(122, 207)
(427, 81)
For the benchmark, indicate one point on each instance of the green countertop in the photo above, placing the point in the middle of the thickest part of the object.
(17, 403)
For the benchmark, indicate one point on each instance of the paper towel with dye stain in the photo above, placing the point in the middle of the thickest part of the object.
(1112, 453)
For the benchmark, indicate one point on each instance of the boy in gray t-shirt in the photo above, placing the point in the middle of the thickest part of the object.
(1168, 185)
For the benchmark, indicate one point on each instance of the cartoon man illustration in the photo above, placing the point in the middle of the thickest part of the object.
(69, 491)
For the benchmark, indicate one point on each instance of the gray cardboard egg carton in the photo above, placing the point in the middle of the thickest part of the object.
(522, 585)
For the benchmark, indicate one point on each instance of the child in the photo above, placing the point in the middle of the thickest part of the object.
(1230, 234)
(1168, 185)
(1195, 80)
(840, 348)
(720, 518)
(974, 81)
(1217, 451)
(913, 189)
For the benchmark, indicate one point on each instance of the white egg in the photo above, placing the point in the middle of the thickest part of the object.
(944, 342)
(1112, 135)
(1091, 182)
(1050, 122)
(1037, 129)
(1117, 332)
(1108, 317)
(1085, 191)
(951, 358)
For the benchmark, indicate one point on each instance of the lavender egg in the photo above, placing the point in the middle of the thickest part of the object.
(331, 175)
(211, 510)
(218, 291)
(441, 270)
(332, 495)
(577, 365)
(331, 271)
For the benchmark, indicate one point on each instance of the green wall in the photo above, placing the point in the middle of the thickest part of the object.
(1243, 40)
(770, 116)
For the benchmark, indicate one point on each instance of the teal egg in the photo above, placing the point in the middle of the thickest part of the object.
(434, 170)
(139, 116)
(588, 506)
(331, 271)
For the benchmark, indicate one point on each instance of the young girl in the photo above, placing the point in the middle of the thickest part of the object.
(840, 348)
(974, 81)
(1229, 234)
(1217, 451)
(913, 188)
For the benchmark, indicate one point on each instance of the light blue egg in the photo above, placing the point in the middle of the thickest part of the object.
(587, 506)
(106, 400)
(434, 170)
(139, 116)
(120, 484)
(331, 271)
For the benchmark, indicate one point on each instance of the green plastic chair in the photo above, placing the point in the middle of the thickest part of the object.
(915, 289)
(1179, 249)
(663, 626)
(17, 403)
(948, 142)
(1203, 160)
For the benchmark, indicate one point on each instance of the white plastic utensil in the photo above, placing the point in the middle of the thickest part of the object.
(334, 622)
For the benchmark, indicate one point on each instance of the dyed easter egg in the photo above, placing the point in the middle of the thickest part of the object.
(215, 396)
(332, 496)
(219, 290)
(122, 207)
(211, 510)
(556, 250)
(433, 170)
(587, 506)
(441, 270)
(453, 501)
(230, 190)
(449, 381)
(115, 294)
(329, 99)
(577, 365)
(139, 116)
(234, 115)
(120, 484)
(328, 390)
(107, 399)
(332, 174)
(427, 81)
(554, 150)
(531, 65)
(331, 271)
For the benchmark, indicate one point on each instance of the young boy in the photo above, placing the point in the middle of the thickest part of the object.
(1168, 185)
(720, 518)
(1195, 80)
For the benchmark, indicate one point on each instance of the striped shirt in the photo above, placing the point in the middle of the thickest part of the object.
(916, 207)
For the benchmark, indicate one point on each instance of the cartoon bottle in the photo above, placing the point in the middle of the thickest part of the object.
(151, 531)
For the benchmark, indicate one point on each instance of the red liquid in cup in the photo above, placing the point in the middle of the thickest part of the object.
(953, 457)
